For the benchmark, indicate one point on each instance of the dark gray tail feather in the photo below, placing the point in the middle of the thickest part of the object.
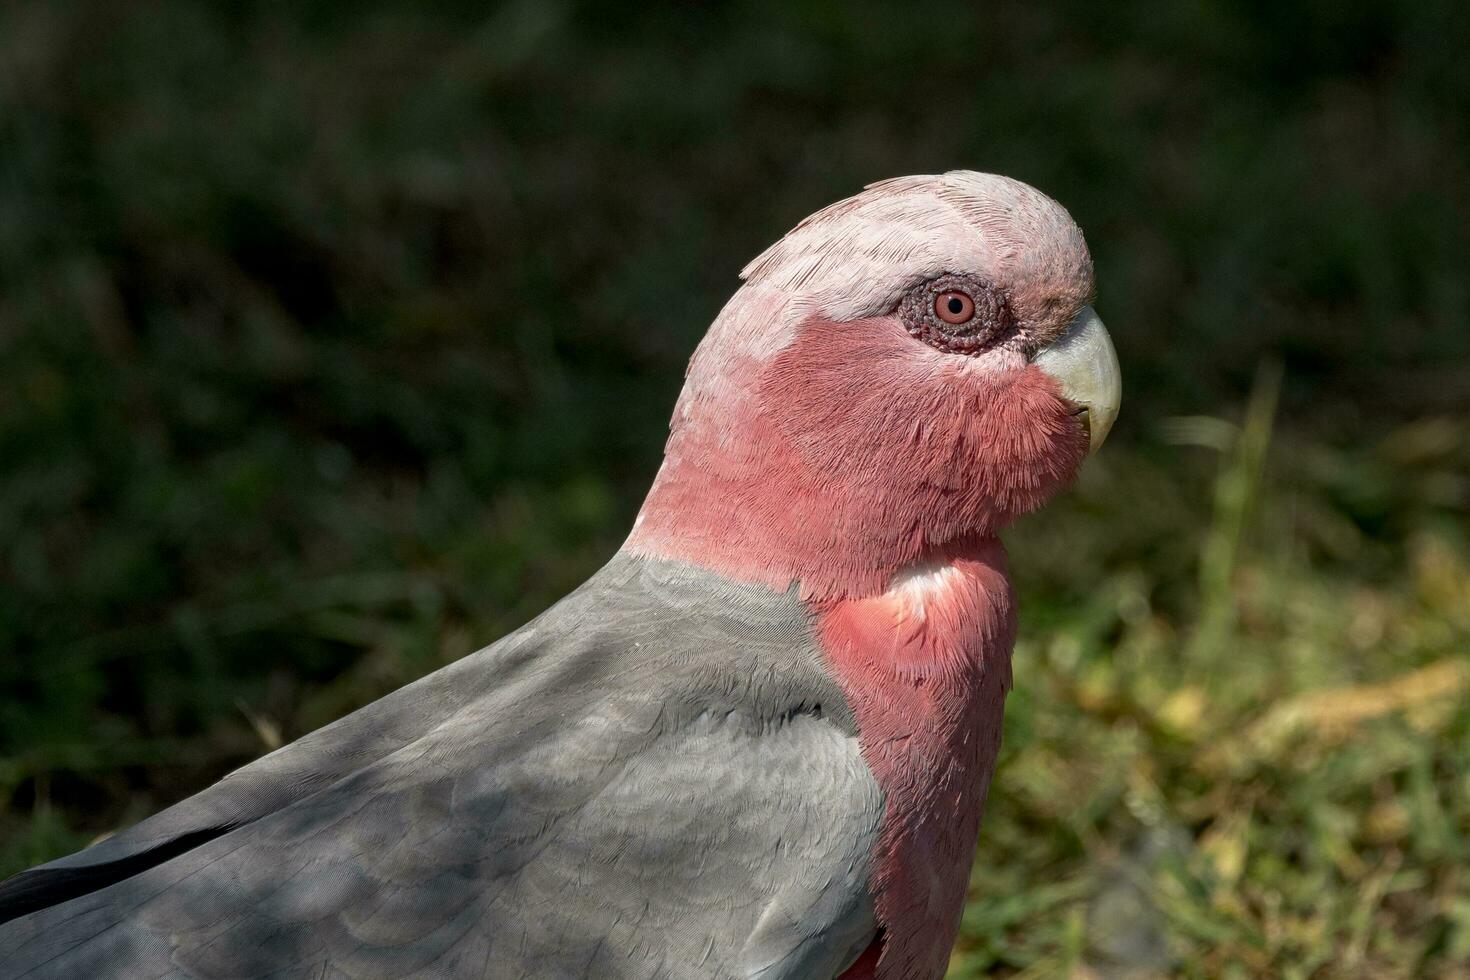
(43, 887)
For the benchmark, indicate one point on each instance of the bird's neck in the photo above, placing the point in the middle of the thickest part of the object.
(753, 513)
(736, 497)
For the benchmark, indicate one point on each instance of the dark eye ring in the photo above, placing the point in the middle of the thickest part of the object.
(954, 306)
(956, 313)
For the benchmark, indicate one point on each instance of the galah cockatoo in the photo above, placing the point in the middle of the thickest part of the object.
(757, 743)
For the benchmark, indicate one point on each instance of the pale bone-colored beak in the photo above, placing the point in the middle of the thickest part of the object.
(1084, 364)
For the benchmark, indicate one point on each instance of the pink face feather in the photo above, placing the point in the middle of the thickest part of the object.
(838, 432)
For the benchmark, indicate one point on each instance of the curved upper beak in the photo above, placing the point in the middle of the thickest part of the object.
(1084, 364)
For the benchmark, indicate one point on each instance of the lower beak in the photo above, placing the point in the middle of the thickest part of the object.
(1085, 366)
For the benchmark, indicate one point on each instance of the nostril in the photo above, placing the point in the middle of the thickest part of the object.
(1084, 416)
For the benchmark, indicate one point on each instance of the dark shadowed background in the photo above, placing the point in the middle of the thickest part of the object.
(336, 340)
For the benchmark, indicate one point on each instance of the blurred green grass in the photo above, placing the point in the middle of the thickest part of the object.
(336, 341)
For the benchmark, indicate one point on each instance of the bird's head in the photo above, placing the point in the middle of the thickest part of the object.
(902, 374)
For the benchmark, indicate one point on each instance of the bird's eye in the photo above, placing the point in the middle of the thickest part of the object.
(954, 307)
(957, 313)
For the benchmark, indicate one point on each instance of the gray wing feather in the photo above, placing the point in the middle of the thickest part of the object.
(634, 785)
(269, 784)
